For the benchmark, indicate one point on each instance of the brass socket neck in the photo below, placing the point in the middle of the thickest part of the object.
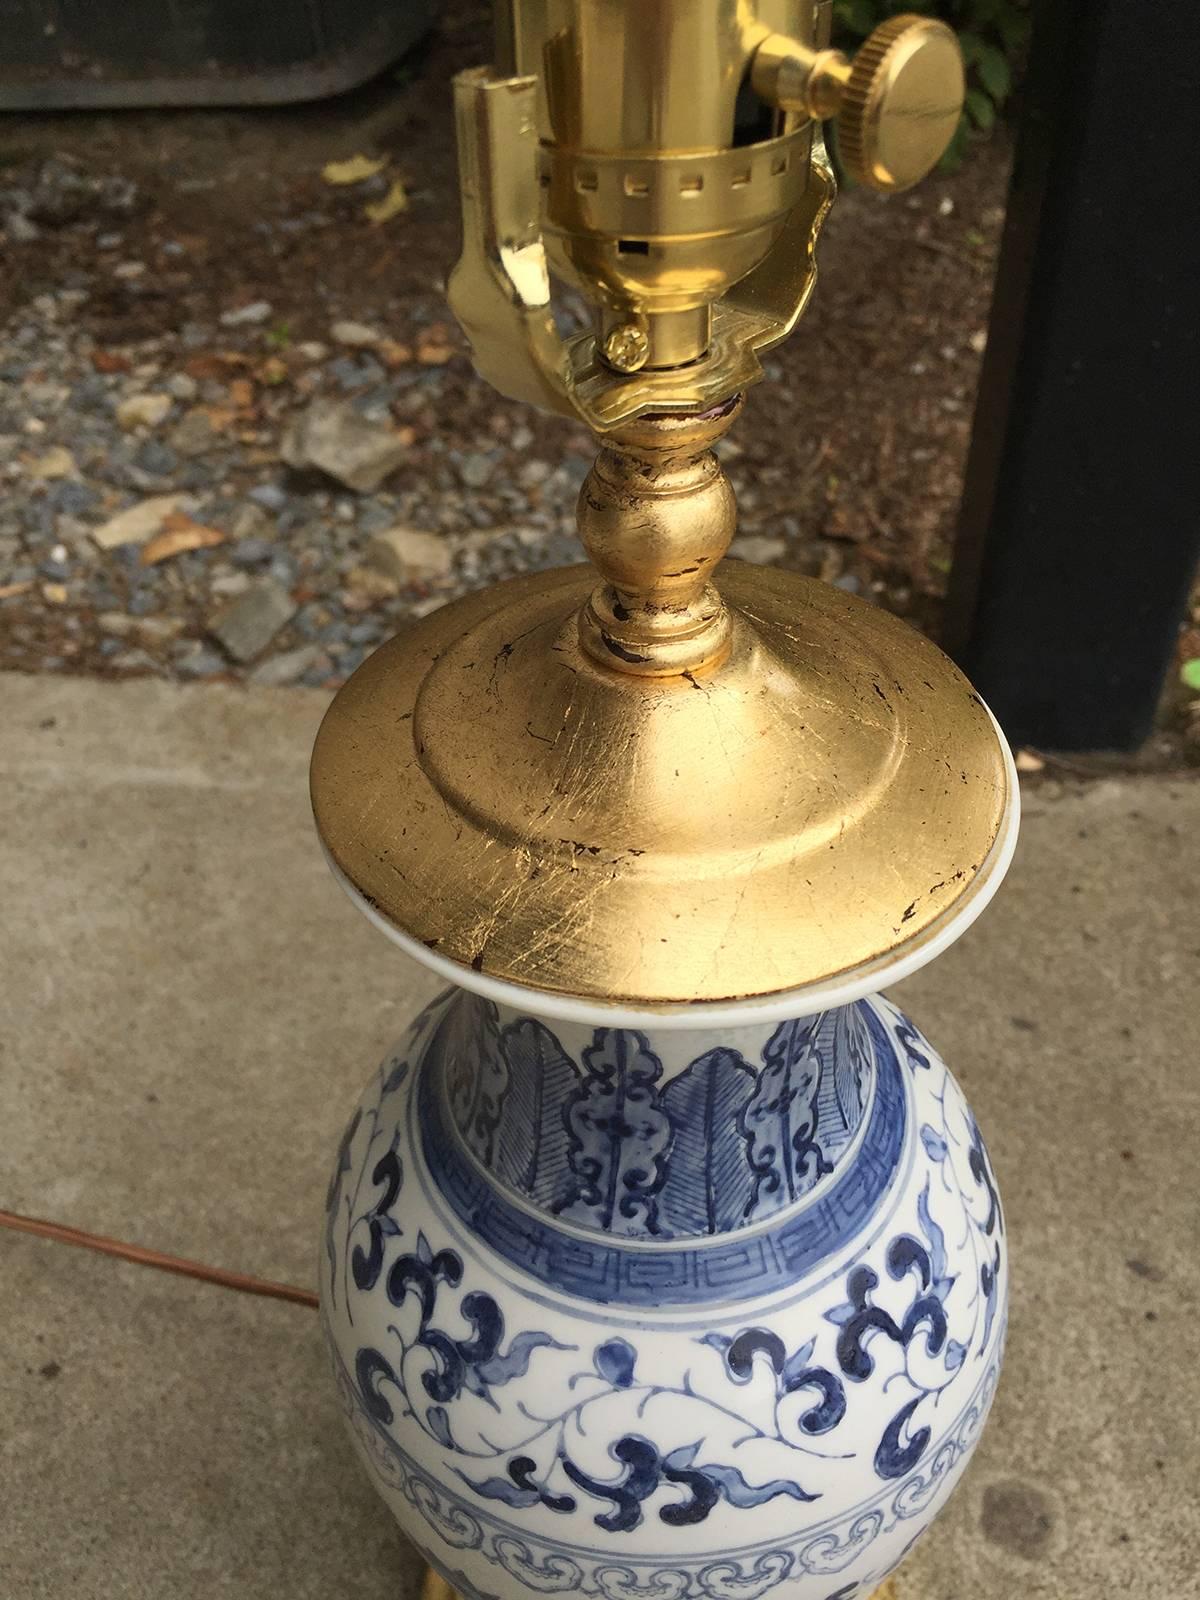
(656, 514)
(791, 74)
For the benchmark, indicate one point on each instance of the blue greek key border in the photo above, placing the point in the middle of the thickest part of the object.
(609, 1272)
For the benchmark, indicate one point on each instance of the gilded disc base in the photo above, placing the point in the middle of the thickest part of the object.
(820, 801)
(436, 1588)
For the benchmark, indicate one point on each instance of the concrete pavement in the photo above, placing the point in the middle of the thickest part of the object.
(189, 1007)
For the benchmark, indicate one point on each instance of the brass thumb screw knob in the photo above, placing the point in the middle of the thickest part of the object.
(900, 103)
(897, 103)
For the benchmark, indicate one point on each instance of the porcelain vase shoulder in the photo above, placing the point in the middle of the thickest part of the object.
(684, 1312)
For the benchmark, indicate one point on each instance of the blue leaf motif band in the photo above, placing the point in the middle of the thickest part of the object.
(608, 1144)
(609, 1267)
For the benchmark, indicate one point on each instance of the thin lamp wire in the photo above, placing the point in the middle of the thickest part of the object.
(140, 1256)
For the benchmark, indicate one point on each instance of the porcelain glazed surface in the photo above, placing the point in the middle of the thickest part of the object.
(672, 1311)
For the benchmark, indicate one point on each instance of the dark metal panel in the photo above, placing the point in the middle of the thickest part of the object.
(1080, 526)
(92, 53)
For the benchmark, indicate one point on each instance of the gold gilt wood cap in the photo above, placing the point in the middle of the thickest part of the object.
(828, 795)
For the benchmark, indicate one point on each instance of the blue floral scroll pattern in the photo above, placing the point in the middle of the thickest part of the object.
(749, 1573)
(607, 1144)
(365, 1211)
(417, 1377)
(541, 1469)
(449, 1367)
(943, 1137)
(919, 1258)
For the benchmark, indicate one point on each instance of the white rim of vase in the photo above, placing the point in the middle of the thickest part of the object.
(715, 1015)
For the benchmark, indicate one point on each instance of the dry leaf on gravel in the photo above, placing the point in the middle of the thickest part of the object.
(215, 364)
(365, 587)
(9, 591)
(179, 535)
(356, 169)
(432, 354)
(57, 463)
(393, 203)
(137, 524)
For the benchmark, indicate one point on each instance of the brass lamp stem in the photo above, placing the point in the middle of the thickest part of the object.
(656, 514)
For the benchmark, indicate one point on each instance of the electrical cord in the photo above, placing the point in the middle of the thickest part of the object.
(240, 1282)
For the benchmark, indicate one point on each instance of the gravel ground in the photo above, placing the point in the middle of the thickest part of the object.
(150, 520)
(149, 523)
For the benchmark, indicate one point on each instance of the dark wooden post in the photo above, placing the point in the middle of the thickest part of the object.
(1080, 526)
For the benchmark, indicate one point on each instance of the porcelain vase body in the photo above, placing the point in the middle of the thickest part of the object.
(632, 1312)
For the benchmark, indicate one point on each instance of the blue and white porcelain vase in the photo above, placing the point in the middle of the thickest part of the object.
(709, 1307)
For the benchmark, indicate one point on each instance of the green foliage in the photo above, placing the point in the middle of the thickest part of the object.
(993, 35)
